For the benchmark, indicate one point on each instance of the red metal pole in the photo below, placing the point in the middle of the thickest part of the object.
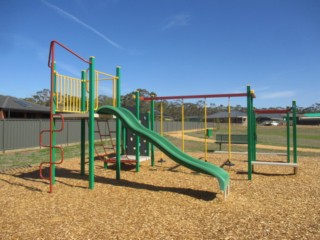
(196, 96)
(271, 111)
(51, 53)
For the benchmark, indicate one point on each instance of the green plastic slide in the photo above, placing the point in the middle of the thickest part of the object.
(130, 122)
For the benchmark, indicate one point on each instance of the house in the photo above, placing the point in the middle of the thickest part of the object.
(309, 119)
(12, 107)
(261, 118)
(223, 117)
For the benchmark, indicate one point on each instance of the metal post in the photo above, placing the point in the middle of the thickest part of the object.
(152, 128)
(83, 121)
(294, 131)
(288, 136)
(149, 127)
(249, 129)
(54, 127)
(118, 126)
(137, 136)
(182, 125)
(91, 121)
(254, 134)
(205, 131)
(124, 140)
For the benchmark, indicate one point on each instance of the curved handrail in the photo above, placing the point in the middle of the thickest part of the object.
(51, 54)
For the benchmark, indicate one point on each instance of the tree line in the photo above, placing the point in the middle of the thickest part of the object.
(171, 108)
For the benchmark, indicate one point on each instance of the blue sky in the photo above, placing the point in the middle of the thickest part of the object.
(171, 47)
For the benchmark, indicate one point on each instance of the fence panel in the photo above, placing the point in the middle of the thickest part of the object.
(2, 126)
(18, 134)
(21, 133)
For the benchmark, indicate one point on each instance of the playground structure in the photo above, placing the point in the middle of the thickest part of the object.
(78, 98)
(65, 96)
(207, 132)
(290, 163)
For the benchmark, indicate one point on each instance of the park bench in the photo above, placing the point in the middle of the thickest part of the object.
(235, 139)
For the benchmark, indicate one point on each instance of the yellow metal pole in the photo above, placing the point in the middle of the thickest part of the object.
(114, 91)
(182, 125)
(205, 131)
(229, 130)
(161, 123)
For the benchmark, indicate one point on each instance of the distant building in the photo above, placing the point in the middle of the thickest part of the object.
(309, 119)
(11, 107)
(261, 118)
(223, 117)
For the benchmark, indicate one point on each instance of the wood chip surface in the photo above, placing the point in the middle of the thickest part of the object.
(167, 201)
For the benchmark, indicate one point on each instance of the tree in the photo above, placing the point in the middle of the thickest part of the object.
(41, 97)
(105, 100)
(128, 100)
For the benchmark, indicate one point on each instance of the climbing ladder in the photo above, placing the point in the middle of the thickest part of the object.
(105, 148)
(52, 145)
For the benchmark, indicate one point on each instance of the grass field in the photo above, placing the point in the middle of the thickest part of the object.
(308, 137)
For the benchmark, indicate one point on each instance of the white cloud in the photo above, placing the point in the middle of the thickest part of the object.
(274, 95)
(178, 20)
(70, 68)
(77, 20)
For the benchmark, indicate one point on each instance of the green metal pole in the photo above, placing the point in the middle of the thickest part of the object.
(152, 128)
(83, 121)
(249, 129)
(149, 127)
(124, 141)
(137, 136)
(254, 138)
(118, 125)
(54, 134)
(288, 136)
(91, 121)
(294, 131)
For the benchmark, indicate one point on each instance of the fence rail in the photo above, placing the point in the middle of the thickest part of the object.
(18, 134)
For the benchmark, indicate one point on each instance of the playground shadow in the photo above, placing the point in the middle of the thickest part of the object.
(30, 188)
(124, 167)
(72, 174)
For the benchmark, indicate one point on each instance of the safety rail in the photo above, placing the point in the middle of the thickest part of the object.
(68, 92)
(51, 163)
(102, 76)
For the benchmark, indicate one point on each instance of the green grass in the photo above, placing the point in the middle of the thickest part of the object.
(34, 157)
(307, 137)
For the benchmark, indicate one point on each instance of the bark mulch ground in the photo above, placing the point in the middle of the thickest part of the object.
(163, 202)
